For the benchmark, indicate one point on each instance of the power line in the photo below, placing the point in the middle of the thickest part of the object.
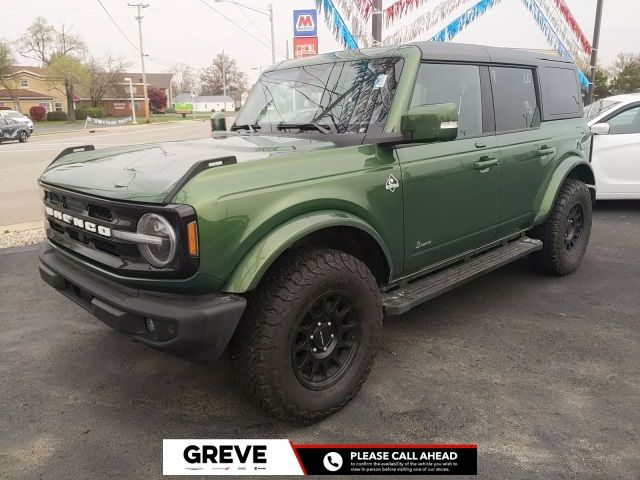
(117, 26)
(240, 27)
(252, 22)
(115, 23)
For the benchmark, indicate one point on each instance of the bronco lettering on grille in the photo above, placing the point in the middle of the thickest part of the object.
(78, 222)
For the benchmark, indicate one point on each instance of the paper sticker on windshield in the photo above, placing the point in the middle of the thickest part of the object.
(380, 80)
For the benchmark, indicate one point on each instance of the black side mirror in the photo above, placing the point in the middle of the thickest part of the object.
(218, 122)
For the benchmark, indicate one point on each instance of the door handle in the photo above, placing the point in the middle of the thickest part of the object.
(485, 163)
(481, 145)
(545, 151)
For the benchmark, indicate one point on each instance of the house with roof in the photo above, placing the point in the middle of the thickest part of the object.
(28, 85)
(207, 103)
(116, 101)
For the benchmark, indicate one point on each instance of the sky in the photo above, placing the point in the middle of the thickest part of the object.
(189, 31)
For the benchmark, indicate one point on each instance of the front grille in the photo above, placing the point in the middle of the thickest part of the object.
(105, 251)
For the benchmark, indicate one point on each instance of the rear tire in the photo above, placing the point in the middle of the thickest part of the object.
(309, 336)
(565, 234)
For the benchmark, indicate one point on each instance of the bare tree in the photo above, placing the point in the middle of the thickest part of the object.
(6, 69)
(184, 79)
(223, 77)
(103, 75)
(622, 61)
(60, 52)
(38, 41)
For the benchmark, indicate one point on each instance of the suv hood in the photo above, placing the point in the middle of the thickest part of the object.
(148, 173)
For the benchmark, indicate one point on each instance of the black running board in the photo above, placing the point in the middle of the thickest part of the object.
(403, 299)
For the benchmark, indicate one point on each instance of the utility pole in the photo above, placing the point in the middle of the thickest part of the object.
(224, 76)
(376, 22)
(139, 6)
(594, 52)
(273, 41)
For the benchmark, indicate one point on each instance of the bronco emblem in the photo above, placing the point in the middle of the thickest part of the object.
(392, 183)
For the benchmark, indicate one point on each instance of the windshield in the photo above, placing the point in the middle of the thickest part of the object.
(13, 115)
(596, 108)
(337, 97)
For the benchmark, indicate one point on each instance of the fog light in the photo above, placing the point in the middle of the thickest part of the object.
(151, 327)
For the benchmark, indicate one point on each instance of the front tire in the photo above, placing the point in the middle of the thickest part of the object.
(565, 234)
(22, 136)
(309, 335)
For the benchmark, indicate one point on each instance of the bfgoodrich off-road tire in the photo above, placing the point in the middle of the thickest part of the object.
(309, 336)
(565, 234)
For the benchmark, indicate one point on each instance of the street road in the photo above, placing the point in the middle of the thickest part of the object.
(542, 372)
(22, 163)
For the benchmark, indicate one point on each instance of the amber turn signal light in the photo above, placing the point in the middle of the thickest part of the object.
(192, 238)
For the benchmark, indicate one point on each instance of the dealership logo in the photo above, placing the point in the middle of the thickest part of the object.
(85, 225)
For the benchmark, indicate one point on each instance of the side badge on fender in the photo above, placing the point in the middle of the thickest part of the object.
(392, 183)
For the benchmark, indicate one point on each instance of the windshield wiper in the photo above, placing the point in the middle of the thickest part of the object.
(246, 126)
(306, 126)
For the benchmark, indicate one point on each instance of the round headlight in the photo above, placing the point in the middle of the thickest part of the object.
(157, 226)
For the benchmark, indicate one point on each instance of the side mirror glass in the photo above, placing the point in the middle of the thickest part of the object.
(218, 122)
(600, 128)
(431, 123)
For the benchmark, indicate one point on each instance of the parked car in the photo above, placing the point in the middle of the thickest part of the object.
(615, 122)
(351, 185)
(11, 129)
(19, 117)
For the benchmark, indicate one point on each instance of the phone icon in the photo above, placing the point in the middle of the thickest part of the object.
(332, 461)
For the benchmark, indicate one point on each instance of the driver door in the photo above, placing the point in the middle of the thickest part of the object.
(451, 189)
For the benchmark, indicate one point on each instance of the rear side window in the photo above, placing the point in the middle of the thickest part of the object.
(563, 96)
(514, 97)
(459, 84)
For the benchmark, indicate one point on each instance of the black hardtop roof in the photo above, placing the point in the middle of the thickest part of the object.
(465, 52)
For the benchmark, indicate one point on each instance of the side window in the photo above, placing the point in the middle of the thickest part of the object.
(514, 98)
(459, 84)
(625, 122)
(562, 93)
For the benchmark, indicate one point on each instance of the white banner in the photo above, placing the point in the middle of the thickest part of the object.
(229, 457)
(100, 121)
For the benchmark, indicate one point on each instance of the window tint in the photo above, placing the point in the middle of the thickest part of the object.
(459, 84)
(563, 94)
(514, 97)
(626, 122)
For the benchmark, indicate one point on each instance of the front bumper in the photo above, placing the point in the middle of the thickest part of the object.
(198, 327)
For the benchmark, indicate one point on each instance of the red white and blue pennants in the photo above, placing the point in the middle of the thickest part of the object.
(553, 17)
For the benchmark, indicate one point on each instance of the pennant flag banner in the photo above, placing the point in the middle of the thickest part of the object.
(563, 31)
(552, 38)
(460, 23)
(399, 9)
(365, 7)
(425, 22)
(360, 27)
(336, 24)
(573, 24)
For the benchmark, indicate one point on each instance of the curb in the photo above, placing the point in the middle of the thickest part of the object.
(20, 249)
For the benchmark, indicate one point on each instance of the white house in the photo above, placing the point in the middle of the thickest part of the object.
(207, 103)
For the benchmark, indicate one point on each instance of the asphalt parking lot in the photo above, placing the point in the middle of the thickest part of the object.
(542, 373)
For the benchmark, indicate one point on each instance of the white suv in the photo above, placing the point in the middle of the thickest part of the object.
(18, 117)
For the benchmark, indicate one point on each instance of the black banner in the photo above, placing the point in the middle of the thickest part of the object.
(387, 459)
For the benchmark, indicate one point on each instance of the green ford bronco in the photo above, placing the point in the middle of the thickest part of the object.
(351, 185)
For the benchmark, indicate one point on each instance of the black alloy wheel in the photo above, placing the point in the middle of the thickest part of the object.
(325, 342)
(574, 228)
